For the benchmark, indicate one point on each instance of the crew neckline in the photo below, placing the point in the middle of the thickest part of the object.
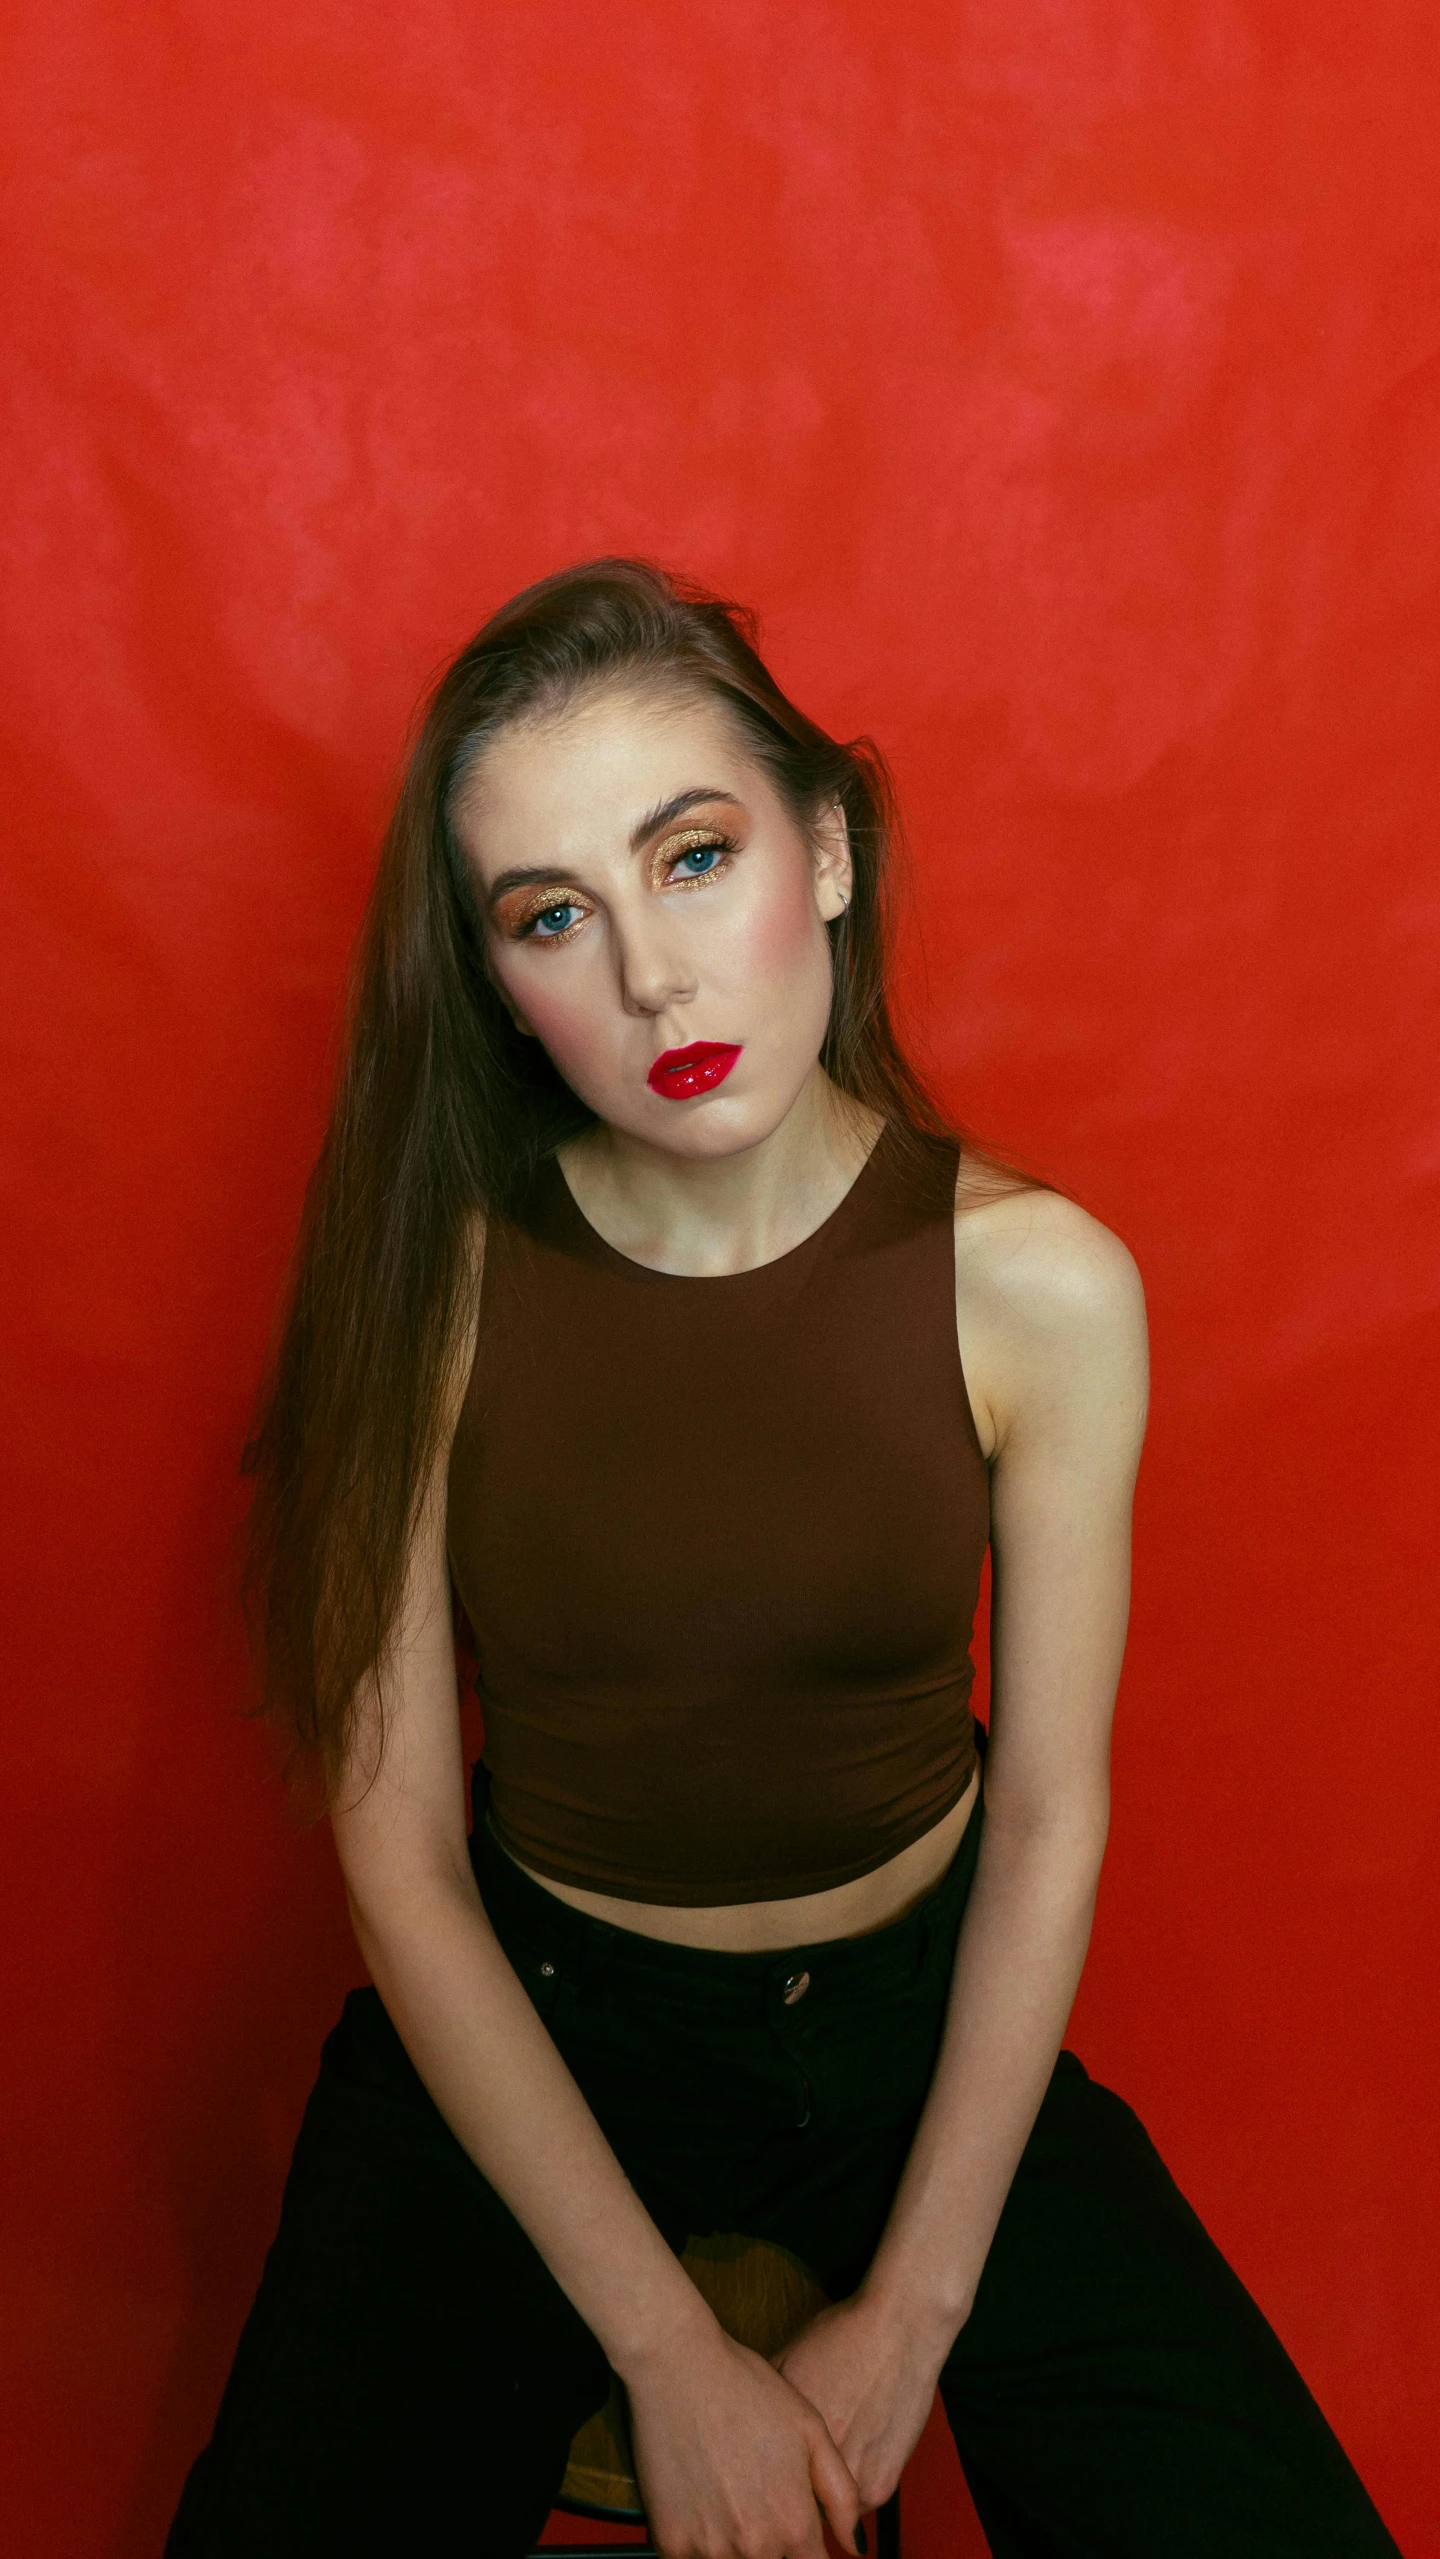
(598, 1248)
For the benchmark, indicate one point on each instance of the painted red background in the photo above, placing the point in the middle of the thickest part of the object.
(1059, 377)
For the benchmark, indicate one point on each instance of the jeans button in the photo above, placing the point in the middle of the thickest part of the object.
(794, 1988)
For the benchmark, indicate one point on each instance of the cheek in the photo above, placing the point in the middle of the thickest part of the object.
(572, 1012)
(779, 944)
(565, 1011)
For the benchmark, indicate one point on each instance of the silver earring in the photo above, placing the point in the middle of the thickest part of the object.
(844, 909)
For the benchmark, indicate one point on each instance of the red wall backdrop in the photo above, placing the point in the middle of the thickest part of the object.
(1060, 379)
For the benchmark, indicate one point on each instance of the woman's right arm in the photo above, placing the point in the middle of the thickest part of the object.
(731, 2457)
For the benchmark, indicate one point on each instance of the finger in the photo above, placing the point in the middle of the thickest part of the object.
(834, 2487)
(809, 2541)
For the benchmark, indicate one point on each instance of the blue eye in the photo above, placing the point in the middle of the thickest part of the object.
(697, 859)
(554, 919)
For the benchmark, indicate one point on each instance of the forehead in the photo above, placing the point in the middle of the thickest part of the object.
(575, 784)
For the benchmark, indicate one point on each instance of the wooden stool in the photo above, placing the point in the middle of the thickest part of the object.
(761, 2296)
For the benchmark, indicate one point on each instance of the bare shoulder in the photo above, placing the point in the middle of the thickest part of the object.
(1050, 1308)
(1046, 1259)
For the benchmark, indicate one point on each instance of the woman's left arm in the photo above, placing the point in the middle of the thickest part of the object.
(1052, 1325)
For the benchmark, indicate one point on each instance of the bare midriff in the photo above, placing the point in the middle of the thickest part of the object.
(802, 1919)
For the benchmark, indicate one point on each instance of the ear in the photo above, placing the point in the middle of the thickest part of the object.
(834, 868)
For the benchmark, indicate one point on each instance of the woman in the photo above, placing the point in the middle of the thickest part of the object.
(642, 1292)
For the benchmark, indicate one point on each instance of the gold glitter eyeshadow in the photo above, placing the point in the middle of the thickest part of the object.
(690, 839)
(516, 912)
(515, 918)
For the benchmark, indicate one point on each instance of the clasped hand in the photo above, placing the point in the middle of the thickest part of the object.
(737, 2458)
(872, 2377)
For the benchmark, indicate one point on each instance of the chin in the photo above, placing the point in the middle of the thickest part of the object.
(725, 1124)
(721, 1124)
(711, 1132)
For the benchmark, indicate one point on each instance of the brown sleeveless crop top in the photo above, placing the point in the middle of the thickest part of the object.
(720, 1544)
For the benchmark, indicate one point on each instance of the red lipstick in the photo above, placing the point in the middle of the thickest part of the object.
(680, 1073)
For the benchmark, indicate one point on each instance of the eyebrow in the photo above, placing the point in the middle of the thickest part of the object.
(652, 824)
(668, 811)
(542, 872)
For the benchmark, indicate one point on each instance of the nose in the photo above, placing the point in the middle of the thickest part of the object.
(654, 970)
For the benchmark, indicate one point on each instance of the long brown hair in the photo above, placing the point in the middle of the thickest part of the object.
(443, 1111)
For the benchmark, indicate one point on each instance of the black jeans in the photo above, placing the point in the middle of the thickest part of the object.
(411, 2374)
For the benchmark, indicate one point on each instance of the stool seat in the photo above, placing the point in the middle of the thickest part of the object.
(762, 2296)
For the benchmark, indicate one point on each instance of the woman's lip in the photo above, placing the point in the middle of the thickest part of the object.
(681, 1073)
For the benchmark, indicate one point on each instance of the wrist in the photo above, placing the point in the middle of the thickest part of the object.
(930, 2305)
(664, 2334)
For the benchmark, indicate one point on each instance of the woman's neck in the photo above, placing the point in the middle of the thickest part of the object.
(709, 1216)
